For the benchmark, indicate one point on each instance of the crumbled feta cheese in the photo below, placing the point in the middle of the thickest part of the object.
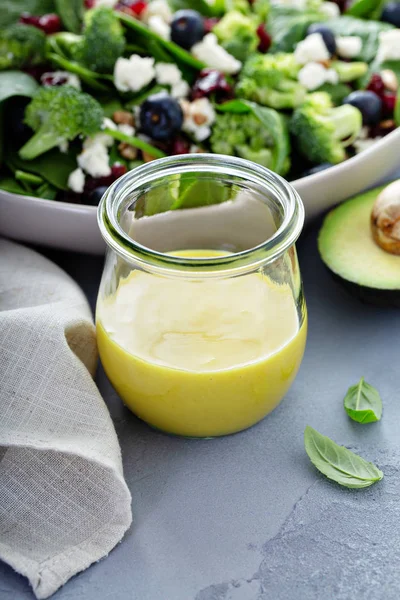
(132, 74)
(361, 145)
(108, 3)
(180, 89)
(62, 78)
(312, 49)
(158, 8)
(389, 45)
(94, 160)
(299, 4)
(215, 56)
(364, 133)
(160, 27)
(330, 9)
(76, 181)
(102, 138)
(167, 73)
(348, 46)
(63, 146)
(126, 129)
(199, 115)
(313, 75)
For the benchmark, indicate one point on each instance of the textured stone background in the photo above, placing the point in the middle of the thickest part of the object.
(247, 517)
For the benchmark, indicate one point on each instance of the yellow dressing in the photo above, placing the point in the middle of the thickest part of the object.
(200, 358)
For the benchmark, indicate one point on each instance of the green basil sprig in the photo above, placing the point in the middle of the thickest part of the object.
(363, 403)
(338, 463)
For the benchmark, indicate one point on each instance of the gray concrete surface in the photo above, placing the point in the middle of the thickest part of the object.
(247, 517)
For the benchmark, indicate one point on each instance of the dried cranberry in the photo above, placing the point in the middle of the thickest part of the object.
(28, 19)
(53, 79)
(50, 23)
(90, 3)
(376, 85)
(388, 104)
(342, 4)
(117, 170)
(209, 24)
(134, 9)
(265, 39)
(211, 81)
(180, 146)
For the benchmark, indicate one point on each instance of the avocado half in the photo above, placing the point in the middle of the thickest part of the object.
(348, 249)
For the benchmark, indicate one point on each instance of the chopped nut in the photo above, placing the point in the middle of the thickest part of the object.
(385, 218)
(123, 117)
(127, 151)
(325, 63)
(185, 106)
(147, 157)
(389, 79)
(199, 119)
(387, 124)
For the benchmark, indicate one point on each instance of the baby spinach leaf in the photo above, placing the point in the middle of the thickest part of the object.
(109, 105)
(9, 184)
(46, 191)
(338, 463)
(273, 122)
(11, 11)
(71, 13)
(368, 31)
(288, 26)
(363, 403)
(173, 49)
(53, 166)
(204, 8)
(366, 9)
(16, 83)
(143, 95)
(337, 91)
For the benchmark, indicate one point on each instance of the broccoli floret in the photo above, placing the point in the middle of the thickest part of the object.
(241, 135)
(271, 80)
(21, 45)
(237, 33)
(59, 114)
(103, 40)
(321, 131)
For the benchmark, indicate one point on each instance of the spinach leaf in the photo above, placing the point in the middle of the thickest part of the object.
(11, 11)
(9, 184)
(109, 105)
(363, 403)
(53, 166)
(288, 26)
(273, 122)
(71, 13)
(46, 191)
(337, 91)
(366, 9)
(368, 31)
(13, 83)
(178, 53)
(203, 7)
(338, 463)
(16, 83)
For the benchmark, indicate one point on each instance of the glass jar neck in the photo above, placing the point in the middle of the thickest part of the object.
(268, 184)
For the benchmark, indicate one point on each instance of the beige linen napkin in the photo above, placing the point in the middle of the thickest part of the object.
(63, 500)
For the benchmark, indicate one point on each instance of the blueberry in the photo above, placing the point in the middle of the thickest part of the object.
(187, 28)
(317, 169)
(391, 13)
(368, 103)
(327, 36)
(97, 194)
(161, 117)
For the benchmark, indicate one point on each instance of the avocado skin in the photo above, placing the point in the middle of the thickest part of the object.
(368, 295)
(380, 297)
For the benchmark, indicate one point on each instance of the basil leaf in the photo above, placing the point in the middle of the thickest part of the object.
(338, 463)
(363, 403)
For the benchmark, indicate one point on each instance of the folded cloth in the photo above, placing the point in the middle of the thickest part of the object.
(63, 500)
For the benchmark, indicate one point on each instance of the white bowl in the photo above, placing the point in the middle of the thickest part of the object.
(74, 227)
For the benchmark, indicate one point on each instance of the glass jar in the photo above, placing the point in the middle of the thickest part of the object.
(201, 319)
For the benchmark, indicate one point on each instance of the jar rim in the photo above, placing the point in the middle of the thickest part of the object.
(265, 252)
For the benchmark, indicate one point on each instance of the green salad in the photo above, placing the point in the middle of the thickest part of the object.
(90, 89)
